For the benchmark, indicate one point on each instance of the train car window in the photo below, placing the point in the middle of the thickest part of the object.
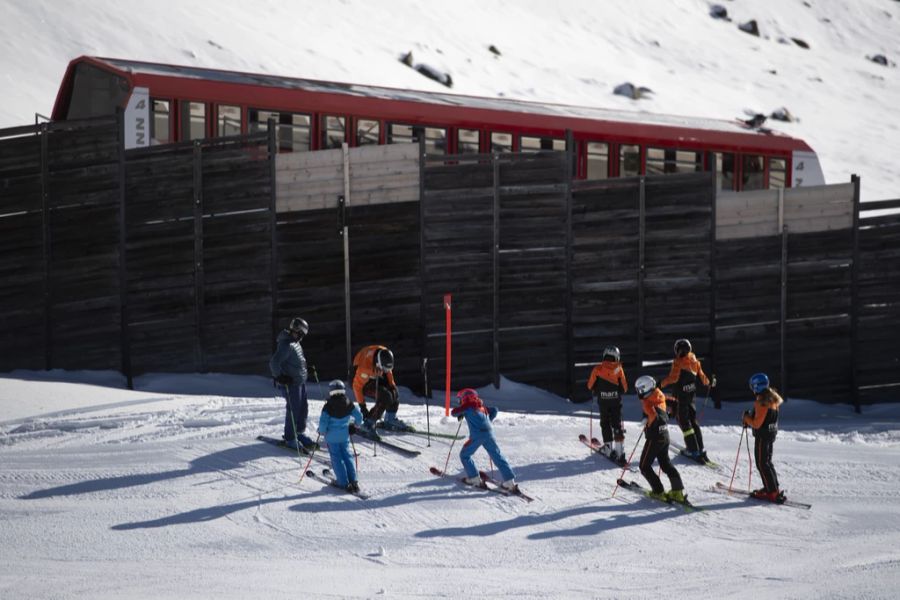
(597, 160)
(193, 120)
(228, 120)
(292, 129)
(724, 171)
(333, 131)
(777, 173)
(629, 160)
(501, 142)
(95, 92)
(670, 160)
(536, 144)
(468, 141)
(435, 137)
(752, 176)
(367, 132)
(160, 122)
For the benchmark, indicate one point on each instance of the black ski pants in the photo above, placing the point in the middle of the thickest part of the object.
(611, 420)
(762, 451)
(386, 397)
(658, 450)
(687, 422)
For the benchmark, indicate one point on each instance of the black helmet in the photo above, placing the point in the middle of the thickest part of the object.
(682, 347)
(384, 359)
(336, 387)
(298, 325)
(611, 353)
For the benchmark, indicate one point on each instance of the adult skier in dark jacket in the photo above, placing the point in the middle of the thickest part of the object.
(288, 367)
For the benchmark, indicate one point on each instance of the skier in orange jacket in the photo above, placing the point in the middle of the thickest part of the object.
(373, 377)
(656, 446)
(764, 421)
(607, 383)
(686, 371)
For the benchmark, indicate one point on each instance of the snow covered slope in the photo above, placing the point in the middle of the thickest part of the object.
(574, 52)
(164, 492)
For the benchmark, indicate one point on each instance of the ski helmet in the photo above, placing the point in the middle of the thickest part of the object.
(298, 325)
(611, 353)
(336, 387)
(644, 385)
(467, 395)
(759, 383)
(384, 359)
(682, 347)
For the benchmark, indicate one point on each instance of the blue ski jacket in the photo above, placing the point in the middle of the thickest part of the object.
(336, 429)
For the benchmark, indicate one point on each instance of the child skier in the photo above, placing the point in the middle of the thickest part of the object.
(763, 418)
(334, 425)
(656, 446)
(481, 433)
(686, 370)
(607, 383)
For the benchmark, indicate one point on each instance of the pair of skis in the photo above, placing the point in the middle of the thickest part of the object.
(488, 484)
(720, 488)
(318, 456)
(637, 488)
(596, 446)
(326, 477)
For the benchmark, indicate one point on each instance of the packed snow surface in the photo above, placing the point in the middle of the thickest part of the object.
(164, 492)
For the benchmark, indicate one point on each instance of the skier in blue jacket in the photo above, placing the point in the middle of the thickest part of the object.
(335, 427)
(288, 367)
(481, 433)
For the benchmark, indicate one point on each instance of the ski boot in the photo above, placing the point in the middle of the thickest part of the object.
(510, 485)
(353, 487)
(659, 496)
(474, 481)
(392, 423)
(676, 496)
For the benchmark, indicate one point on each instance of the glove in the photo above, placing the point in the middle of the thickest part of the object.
(744, 417)
(364, 410)
(353, 429)
(284, 379)
(712, 381)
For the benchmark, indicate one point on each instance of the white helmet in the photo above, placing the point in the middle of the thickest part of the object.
(644, 385)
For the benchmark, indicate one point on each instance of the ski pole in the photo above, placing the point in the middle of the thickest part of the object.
(447, 462)
(318, 383)
(627, 462)
(738, 456)
(591, 422)
(375, 421)
(427, 395)
(749, 466)
(355, 454)
(311, 454)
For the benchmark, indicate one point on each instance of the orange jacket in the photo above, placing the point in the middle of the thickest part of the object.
(364, 361)
(655, 400)
(768, 400)
(687, 363)
(611, 372)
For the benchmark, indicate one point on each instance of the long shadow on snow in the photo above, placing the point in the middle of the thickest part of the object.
(217, 462)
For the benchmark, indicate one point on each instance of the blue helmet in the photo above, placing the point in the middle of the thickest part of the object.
(759, 383)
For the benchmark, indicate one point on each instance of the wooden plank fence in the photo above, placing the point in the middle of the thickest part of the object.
(190, 257)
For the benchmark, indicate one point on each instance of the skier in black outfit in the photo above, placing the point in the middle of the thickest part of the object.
(656, 446)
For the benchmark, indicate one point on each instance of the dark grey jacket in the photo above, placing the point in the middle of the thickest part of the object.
(288, 358)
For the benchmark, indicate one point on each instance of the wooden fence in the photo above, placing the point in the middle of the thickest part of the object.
(190, 257)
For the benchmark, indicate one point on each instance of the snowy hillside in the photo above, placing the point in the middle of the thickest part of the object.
(164, 492)
(811, 58)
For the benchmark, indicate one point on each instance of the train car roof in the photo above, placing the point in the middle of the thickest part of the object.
(135, 70)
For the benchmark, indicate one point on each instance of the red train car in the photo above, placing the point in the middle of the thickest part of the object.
(167, 103)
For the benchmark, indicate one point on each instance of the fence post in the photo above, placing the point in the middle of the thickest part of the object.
(570, 337)
(47, 247)
(642, 221)
(423, 257)
(344, 202)
(854, 298)
(784, 289)
(273, 225)
(123, 256)
(717, 402)
(495, 256)
(199, 297)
